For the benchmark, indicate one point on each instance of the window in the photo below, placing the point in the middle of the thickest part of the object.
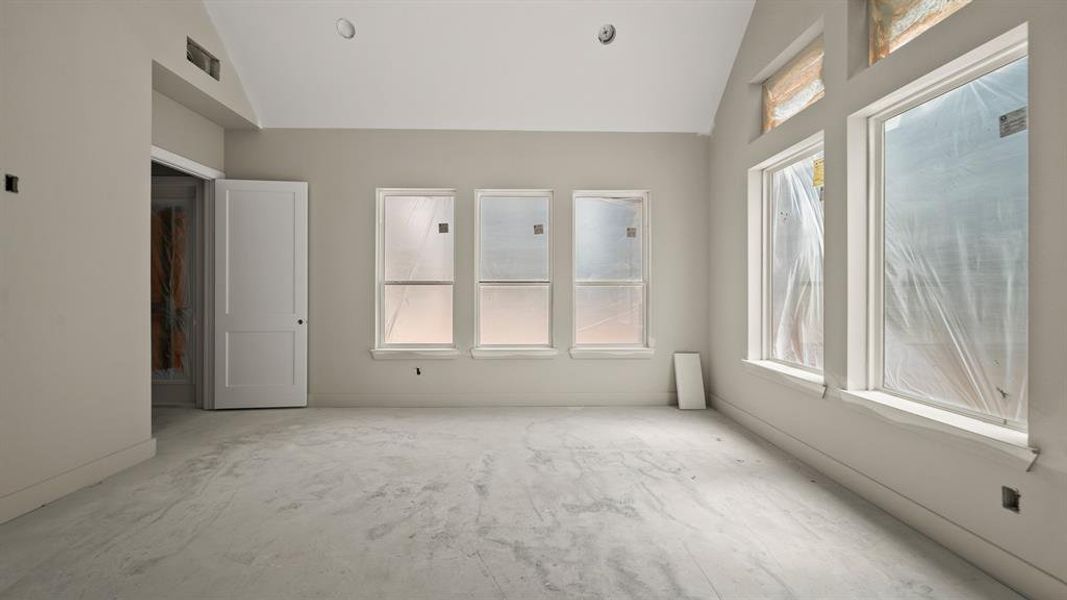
(893, 23)
(514, 293)
(415, 267)
(611, 269)
(794, 87)
(786, 258)
(948, 324)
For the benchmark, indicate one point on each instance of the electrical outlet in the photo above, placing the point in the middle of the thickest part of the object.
(418, 370)
(1009, 498)
(11, 183)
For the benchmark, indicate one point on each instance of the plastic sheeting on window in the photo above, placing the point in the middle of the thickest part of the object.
(418, 246)
(610, 290)
(893, 23)
(514, 233)
(794, 87)
(514, 294)
(514, 315)
(956, 234)
(796, 264)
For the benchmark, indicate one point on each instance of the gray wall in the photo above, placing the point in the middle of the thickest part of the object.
(343, 168)
(948, 488)
(76, 126)
(186, 133)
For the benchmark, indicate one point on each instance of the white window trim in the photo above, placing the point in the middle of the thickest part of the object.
(646, 349)
(380, 350)
(864, 248)
(512, 351)
(408, 353)
(911, 414)
(757, 355)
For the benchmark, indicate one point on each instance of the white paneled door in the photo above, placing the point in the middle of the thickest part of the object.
(261, 287)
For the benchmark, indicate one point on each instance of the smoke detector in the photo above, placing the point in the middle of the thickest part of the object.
(345, 28)
(606, 35)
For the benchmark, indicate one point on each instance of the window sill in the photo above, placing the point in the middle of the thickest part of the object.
(1005, 441)
(609, 353)
(413, 353)
(800, 379)
(503, 352)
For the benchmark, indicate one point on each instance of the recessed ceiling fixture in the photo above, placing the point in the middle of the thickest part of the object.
(345, 28)
(606, 35)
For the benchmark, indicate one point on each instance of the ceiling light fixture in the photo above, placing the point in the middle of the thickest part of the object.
(345, 28)
(606, 35)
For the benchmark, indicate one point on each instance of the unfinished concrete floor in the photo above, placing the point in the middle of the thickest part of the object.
(470, 503)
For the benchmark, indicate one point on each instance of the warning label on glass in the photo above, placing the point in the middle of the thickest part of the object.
(1013, 122)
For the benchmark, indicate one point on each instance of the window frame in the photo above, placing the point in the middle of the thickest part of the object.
(760, 255)
(382, 349)
(645, 347)
(866, 224)
(806, 149)
(481, 350)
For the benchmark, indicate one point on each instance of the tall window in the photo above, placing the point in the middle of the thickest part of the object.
(949, 324)
(514, 268)
(415, 267)
(893, 23)
(794, 87)
(611, 269)
(793, 260)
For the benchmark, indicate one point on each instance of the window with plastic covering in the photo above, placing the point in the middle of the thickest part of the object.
(514, 295)
(793, 260)
(953, 242)
(893, 23)
(794, 87)
(611, 269)
(415, 267)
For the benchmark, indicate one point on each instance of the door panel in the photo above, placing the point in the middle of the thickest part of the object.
(260, 294)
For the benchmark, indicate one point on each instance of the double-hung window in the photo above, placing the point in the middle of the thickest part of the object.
(786, 260)
(947, 321)
(514, 295)
(611, 250)
(415, 268)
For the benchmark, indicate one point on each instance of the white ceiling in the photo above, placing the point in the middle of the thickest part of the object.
(504, 65)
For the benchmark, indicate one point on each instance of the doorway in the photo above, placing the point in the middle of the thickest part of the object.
(176, 286)
(179, 279)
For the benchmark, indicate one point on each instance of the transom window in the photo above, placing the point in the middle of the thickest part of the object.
(794, 87)
(415, 267)
(893, 23)
(611, 268)
(514, 295)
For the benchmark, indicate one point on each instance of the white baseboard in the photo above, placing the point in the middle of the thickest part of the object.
(490, 399)
(1001, 564)
(51, 489)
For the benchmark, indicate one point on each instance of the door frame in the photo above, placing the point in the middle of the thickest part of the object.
(204, 379)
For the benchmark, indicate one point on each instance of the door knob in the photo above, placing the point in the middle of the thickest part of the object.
(299, 321)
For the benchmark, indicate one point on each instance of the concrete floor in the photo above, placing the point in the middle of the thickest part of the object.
(470, 503)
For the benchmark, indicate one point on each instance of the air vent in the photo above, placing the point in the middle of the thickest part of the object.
(204, 60)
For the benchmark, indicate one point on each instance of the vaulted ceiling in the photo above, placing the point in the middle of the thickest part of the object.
(505, 65)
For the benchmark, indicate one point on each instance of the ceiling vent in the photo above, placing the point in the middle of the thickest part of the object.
(204, 60)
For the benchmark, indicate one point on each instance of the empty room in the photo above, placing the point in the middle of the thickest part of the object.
(524, 299)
